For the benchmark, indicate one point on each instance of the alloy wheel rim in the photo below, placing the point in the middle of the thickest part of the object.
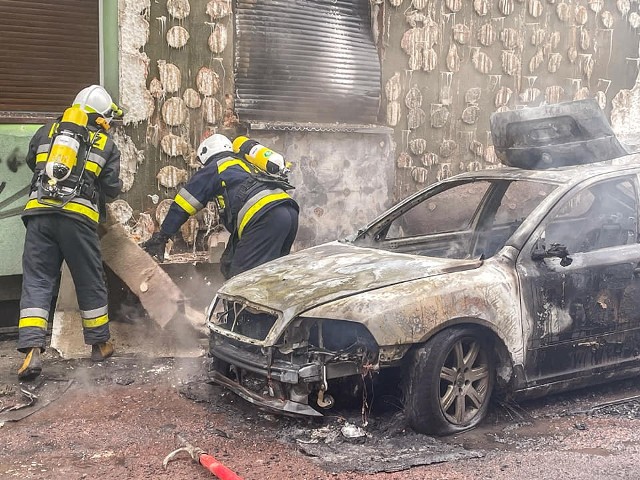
(464, 381)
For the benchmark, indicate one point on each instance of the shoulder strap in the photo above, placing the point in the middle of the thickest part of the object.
(273, 181)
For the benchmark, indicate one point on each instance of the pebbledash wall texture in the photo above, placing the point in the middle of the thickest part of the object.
(445, 66)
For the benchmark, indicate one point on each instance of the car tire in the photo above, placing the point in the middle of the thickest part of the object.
(450, 382)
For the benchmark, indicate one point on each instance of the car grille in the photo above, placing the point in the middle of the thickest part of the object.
(251, 323)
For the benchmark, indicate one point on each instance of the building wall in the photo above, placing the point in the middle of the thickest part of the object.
(447, 65)
(176, 86)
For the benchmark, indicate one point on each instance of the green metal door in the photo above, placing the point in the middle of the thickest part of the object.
(15, 177)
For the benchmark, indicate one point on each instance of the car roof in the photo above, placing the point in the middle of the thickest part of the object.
(562, 175)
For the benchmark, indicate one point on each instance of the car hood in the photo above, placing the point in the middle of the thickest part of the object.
(312, 277)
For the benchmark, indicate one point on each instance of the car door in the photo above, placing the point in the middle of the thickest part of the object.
(582, 313)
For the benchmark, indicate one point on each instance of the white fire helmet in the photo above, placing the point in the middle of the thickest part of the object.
(211, 145)
(95, 99)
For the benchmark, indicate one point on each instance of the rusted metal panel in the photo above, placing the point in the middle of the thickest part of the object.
(584, 315)
(310, 61)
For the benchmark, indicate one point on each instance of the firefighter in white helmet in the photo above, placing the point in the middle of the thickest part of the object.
(76, 169)
(255, 208)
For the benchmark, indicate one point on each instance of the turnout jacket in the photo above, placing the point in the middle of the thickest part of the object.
(99, 181)
(235, 184)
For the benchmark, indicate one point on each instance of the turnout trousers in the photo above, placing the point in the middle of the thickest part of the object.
(268, 237)
(50, 239)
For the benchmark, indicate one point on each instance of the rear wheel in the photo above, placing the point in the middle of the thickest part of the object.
(450, 382)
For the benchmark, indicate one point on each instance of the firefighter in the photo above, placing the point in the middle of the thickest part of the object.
(76, 167)
(254, 207)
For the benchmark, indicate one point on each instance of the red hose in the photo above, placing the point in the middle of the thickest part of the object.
(217, 468)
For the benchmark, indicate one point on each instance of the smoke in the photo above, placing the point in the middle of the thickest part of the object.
(599, 217)
(135, 333)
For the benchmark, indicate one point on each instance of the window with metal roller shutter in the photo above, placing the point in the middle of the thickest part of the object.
(306, 61)
(50, 50)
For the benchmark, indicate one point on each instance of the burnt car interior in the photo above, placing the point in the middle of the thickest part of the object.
(487, 213)
(601, 216)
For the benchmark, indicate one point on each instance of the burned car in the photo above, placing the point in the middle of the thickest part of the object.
(523, 279)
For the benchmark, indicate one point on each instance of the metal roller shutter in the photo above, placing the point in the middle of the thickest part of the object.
(306, 61)
(50, 50)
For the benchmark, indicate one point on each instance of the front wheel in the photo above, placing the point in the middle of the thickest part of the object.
(450, 382)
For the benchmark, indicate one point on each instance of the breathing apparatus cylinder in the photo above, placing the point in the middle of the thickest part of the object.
(63, 154)
(259, 155)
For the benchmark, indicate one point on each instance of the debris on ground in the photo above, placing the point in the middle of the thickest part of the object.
(21, 400)
(343, 446)
(119, 419)
(380, 454)
(628, 407)
(30, 400)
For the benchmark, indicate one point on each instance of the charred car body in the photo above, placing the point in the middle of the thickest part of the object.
(524, 278)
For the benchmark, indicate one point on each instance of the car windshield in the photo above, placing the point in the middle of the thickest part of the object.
(462, 219)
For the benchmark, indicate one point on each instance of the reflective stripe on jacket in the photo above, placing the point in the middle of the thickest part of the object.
(78, 205)
(222, 181)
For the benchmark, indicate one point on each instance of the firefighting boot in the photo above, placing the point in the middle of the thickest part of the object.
(101, 351)
(32, 365)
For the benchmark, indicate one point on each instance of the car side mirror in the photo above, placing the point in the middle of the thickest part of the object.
(555, 250)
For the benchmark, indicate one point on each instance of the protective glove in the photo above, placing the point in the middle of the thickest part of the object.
(155, 246)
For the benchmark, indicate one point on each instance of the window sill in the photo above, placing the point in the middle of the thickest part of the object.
(318, 127)
(27, 117)
(7, 117)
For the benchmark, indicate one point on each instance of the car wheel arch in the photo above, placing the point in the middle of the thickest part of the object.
(504, 361)
(424, 404)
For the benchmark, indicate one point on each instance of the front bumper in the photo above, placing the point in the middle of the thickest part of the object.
(277, 371)
(283, 371)
(266, 403)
